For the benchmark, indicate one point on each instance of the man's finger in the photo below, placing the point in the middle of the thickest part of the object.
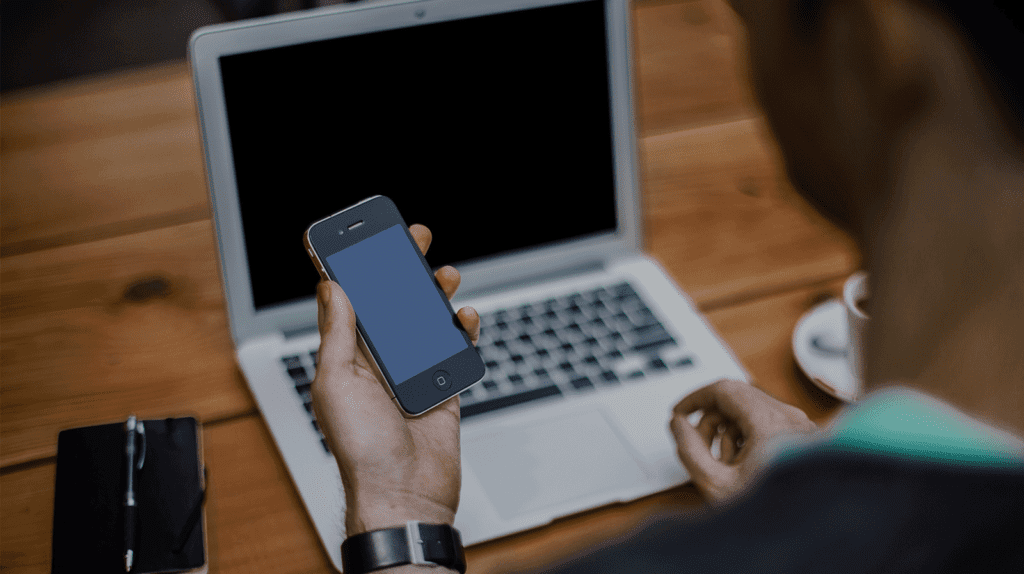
(422, 236)
(470, 320)
(727, 397)
(693, 452)
(708, 426)
(730, 444)
(449, 279)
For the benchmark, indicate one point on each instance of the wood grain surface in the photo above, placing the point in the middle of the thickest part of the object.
(257, 524)
(110, 295)
(118, 154)
(141, 316)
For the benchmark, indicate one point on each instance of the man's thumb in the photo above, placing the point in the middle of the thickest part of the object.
(336, 321)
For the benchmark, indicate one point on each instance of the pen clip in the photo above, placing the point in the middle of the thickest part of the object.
(141, 429)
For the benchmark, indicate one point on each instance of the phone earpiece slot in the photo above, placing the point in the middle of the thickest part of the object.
(355, 225)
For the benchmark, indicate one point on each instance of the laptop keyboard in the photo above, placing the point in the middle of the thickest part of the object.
(570, 345)
(557, 348)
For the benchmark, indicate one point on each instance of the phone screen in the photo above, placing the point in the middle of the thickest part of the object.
(397, 303)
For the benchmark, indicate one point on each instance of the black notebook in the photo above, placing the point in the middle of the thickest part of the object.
(89, 517)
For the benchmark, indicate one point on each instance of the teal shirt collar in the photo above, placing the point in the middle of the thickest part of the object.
(902, 422)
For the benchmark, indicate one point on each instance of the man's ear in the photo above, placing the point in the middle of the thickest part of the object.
(895, 55)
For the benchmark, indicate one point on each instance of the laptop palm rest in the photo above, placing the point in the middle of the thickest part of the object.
(561, 459)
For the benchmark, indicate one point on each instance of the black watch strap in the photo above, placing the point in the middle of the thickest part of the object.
(415, 543)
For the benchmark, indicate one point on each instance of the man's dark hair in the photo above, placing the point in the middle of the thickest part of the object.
(992, 28)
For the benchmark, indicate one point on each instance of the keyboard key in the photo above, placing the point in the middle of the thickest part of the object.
(657, 365)
(540, 372)
(491, 364)
(624, 291)
(609, 377)
(314, 355)
(566, 366)
(323, 441)
(292, 362)
(517, 358)
(490, 385)
(298, 374)
(652, 340)
(648, 328)
(309, 407)
(303, 388)
(516, 380)
(644, 315)
(582, 383)
(684, 362)
(509, 401)
(636, 375)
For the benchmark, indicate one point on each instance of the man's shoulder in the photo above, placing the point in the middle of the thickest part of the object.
(840, 511)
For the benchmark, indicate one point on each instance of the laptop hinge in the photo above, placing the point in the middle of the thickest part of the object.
(299, 332)
(592, 266)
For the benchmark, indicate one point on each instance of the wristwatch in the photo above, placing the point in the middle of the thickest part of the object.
(415, 543)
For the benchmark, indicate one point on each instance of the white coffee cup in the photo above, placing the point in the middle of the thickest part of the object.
(855, 293)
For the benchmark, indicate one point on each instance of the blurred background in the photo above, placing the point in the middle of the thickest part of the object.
(43, 41)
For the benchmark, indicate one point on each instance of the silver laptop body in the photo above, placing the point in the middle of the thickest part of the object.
(559, 425)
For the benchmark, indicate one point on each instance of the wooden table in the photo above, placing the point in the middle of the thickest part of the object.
(111, 299)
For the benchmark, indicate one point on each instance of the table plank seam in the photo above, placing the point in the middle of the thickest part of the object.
(13, 467)
(752, 295)
(107, 231)
(27, 465)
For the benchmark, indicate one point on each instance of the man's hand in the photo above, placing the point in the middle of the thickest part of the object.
(394, 468)
(745, 419)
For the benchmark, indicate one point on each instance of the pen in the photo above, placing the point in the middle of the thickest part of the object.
(134, 429)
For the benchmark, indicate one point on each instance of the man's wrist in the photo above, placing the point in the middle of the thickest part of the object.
(367, 513)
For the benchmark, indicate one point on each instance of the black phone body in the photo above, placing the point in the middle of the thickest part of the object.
(405, 322)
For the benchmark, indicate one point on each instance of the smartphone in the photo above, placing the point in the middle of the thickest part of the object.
(405, 322)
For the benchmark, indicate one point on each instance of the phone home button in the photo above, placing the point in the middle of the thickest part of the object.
(442, 380)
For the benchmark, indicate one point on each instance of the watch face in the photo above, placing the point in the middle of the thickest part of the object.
(441, 545)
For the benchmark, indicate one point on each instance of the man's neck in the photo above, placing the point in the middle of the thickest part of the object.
(947, 265)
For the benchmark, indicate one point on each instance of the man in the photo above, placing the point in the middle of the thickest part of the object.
(902, 121)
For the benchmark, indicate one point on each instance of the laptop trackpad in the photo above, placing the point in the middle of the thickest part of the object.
(526, 469)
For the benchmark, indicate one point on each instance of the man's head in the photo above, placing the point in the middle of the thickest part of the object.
(842, 81)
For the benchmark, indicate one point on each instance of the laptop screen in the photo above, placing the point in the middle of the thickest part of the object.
(494, 131)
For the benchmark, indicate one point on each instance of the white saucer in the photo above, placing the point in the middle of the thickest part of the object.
(820, 345)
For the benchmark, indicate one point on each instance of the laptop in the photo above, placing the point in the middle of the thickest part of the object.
(506, 127)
